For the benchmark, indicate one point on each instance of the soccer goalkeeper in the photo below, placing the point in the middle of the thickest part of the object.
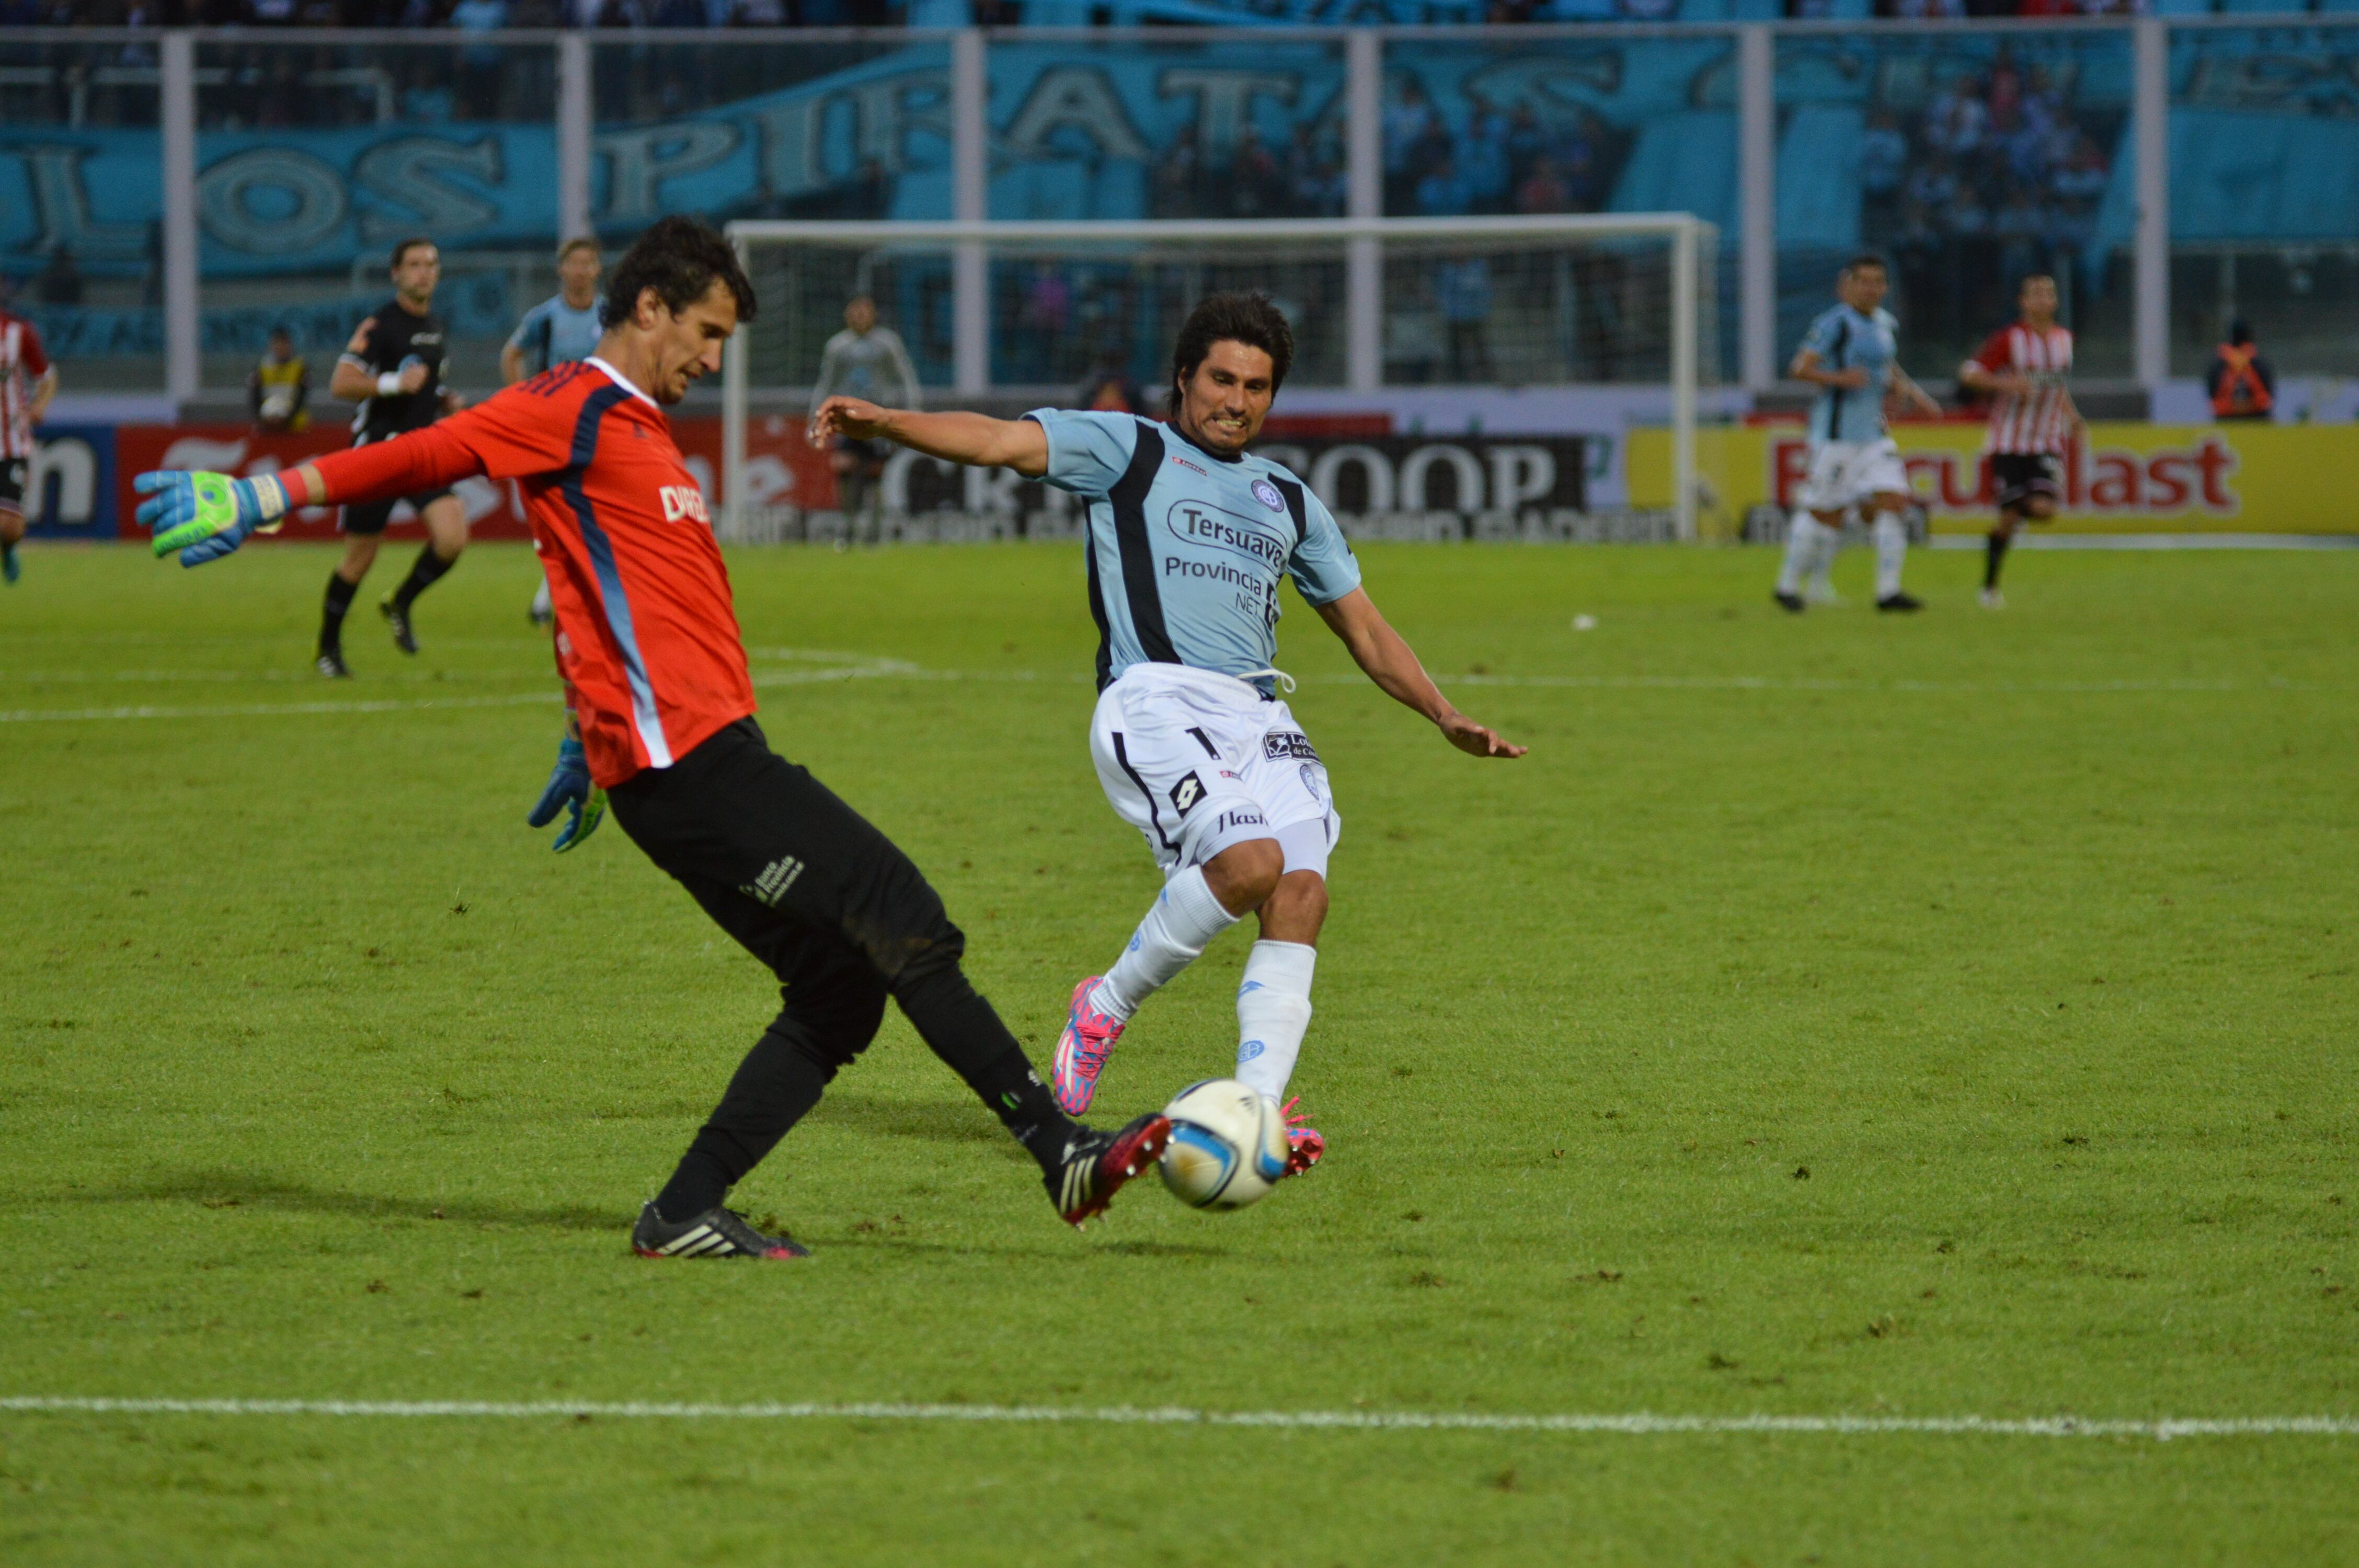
(656, 675)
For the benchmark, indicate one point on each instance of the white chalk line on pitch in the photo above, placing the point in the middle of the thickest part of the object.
(1639, 1425)
(901, 669)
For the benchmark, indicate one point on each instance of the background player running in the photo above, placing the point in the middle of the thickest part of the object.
(1188, 536)
(559, 330)
(393, 369)
(1848, 354)
(28, 382)
(656, 675)
(2022, 369)
(864, 360)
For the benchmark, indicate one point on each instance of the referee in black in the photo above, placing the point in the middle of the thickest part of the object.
(393, 369)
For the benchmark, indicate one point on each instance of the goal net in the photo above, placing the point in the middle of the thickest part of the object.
(1613, 316)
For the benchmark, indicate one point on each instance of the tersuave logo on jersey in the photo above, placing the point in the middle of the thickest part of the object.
(684, 500)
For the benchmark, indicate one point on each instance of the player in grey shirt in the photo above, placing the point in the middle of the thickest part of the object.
(1189, 537)
(867, 362)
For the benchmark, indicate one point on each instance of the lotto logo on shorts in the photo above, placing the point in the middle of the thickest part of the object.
(684, 500)
(1288, 744)
(1185, 793)
(775, 879)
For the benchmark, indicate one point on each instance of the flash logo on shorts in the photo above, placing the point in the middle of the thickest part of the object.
(684, 500)
(1282, 744)
(775, 879)
(1187, 793)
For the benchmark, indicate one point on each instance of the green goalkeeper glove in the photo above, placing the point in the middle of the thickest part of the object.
(206, 516)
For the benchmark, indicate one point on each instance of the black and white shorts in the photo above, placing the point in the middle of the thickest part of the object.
(15, 474)
(2018, 476)
(1199, 761)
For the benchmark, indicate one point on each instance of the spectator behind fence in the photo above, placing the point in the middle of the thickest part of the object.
(2242, 384)
(279, 387)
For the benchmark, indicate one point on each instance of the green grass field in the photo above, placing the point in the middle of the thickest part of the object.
(1841, 1016)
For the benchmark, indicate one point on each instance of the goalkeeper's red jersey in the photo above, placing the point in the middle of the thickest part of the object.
(646, 639)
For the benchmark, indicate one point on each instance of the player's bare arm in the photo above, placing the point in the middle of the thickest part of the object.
(1991, 383)
(1808, 367)
(1393, 664)
(511, 365)
(959, 437)
(1907, 391)
(357, 382)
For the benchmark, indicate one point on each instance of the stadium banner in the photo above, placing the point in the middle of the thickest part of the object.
(1379, 486)
(69, 482)
(2123, 478)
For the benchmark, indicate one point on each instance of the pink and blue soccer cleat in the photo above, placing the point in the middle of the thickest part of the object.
(1081, 1051)
(1305, 1147)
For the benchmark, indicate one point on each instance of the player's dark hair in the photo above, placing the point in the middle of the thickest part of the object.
(681, 259)
(403, 247)
(1248, 318)
(1863, 260)
(583, 243)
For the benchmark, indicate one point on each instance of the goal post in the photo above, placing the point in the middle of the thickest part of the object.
(994, 311)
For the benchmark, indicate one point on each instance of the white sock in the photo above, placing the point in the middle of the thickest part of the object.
(1801, 551)
(1273, 1012)
(1186, 917)
(1821, 581)
(1891, 549)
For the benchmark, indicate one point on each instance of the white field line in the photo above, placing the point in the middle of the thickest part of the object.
(827, 673)
(1173, 1416)
(262, 709)
(1636, 1426)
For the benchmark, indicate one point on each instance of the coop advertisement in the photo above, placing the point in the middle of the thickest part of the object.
(2120, 478)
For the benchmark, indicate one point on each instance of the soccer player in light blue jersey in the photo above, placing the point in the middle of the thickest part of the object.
(1849, 354)
(1189, 537)
(559, 330)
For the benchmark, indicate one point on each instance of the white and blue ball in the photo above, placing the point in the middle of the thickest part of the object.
(1227, 1148)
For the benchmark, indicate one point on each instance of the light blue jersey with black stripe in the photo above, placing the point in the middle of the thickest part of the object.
(1844, 339)
(554, 333)
(1186, 549)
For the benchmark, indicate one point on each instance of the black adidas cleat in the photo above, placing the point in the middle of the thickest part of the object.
(1097, 1163)
(398, 618)
(1791, 603)
(330, 663)
(715, 1233)
(1900, 602)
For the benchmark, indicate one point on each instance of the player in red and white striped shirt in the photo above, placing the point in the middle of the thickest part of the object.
(28, 382)
(2022, 368)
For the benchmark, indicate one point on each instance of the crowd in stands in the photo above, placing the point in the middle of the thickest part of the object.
(484, 13)
(1493, 162)
(1994, 179)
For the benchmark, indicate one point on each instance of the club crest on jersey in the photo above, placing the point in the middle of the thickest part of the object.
(1266, 493)
(684, 500)
(1187, 793)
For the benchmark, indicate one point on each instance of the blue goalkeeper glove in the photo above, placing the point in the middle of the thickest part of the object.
(570, 790)
(206, 516)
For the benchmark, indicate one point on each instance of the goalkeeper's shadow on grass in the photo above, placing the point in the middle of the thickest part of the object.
(240, 1189)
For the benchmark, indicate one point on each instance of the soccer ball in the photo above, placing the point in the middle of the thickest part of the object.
(1227, 1148)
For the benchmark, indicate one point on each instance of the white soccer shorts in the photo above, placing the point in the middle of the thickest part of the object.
(1845, 473)
(1198, 762)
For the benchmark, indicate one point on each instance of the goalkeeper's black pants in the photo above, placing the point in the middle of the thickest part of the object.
(844, 919)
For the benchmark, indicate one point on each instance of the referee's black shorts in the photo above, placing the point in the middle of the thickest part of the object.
(800, 880)
(373, 516)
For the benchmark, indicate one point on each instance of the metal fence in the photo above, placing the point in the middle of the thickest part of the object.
(165, 198)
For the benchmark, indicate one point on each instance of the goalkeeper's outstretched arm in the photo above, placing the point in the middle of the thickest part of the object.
(974, 438)
(206, 516)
